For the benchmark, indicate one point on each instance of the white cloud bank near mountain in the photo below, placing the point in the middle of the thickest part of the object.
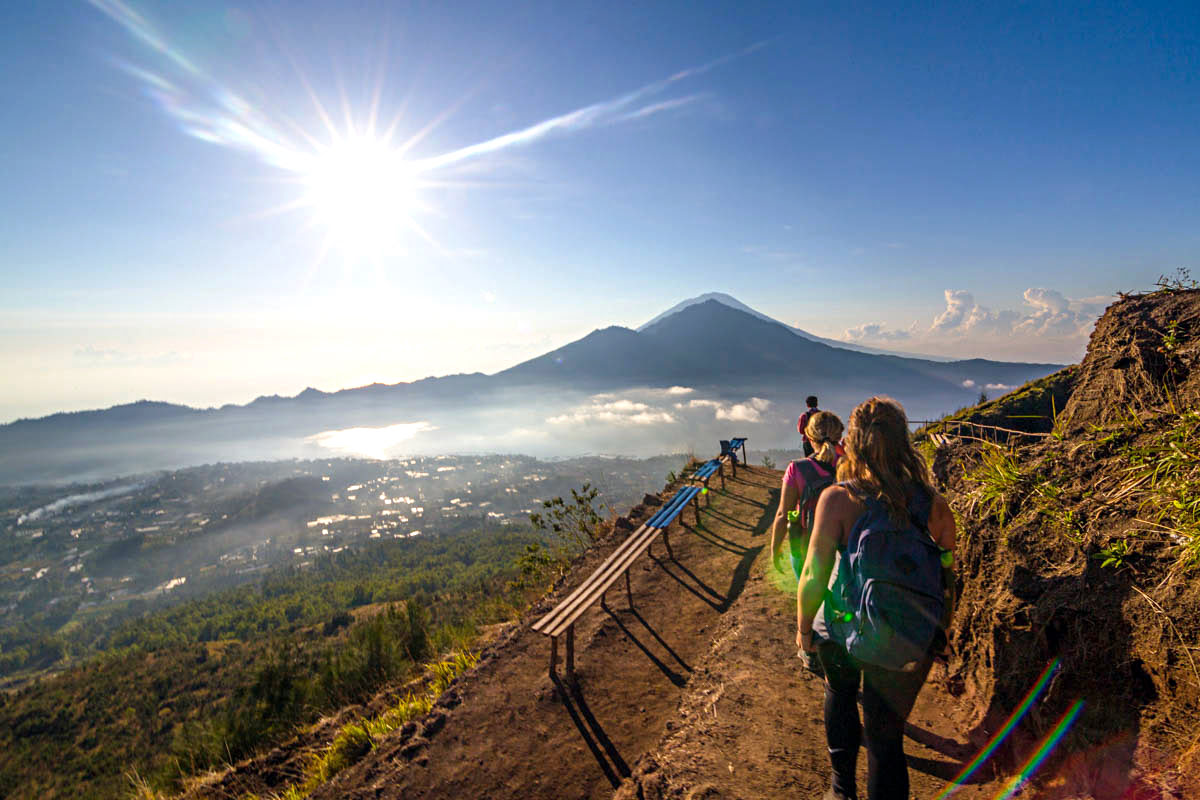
(637, 407)
(1051, 327)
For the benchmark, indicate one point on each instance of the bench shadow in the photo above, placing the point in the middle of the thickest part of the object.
(947, 747)
(662, 642)
(947, 770)
(603, 750)
(671, 675)
(768, 516)
(718, 602)
(740, 498)
(716, 540)
(725, 518)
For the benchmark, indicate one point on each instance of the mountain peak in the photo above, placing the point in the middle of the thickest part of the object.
(734, 303)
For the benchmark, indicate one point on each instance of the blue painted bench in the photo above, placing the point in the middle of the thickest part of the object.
(707, 470)
(562, 618)
(729, 451)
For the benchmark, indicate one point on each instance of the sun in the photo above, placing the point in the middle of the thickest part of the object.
(363, 193)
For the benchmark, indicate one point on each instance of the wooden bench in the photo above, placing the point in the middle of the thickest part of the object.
(562, 618)
(729, 452)
(707, 470)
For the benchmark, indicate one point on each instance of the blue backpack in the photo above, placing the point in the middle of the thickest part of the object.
(887, 602)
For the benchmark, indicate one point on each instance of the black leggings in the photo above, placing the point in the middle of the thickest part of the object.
(887, 699)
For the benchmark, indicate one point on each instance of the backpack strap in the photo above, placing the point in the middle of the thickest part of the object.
(816, 480)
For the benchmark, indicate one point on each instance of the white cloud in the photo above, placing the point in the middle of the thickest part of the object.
(641, 407)
(680, 390)
(614, 412)
(999, 387)
(969, 384)
(1050, 326)
(875, 332)
(749, 411)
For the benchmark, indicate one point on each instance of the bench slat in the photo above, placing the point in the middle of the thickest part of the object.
(617, 562)
(567, 601)
(680, 499)
(593, 589)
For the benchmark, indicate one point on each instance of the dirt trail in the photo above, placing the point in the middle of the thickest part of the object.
(692, 692)
(750, 725)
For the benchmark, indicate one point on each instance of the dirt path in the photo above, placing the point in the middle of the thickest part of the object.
(751, 724)
(516, 735)
(692, 692)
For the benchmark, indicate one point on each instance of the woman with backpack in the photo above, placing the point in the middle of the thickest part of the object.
(885, 615)
(803, 482)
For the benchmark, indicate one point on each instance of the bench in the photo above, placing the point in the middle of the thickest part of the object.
(562, 618)
(707, 470)
(729, 452)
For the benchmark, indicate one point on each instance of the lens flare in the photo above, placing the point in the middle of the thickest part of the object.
(362, 192)
(1017, 715)
(359, 180)
(1044, 748)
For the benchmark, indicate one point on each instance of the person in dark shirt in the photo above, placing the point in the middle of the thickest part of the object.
(811, 402)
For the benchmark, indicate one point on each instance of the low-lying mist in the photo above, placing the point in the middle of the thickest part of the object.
(637, 422)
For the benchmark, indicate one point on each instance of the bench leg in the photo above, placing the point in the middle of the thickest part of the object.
(553, 657)
(628, 589)
(571, 652)
(667, 544)
(696, 508)
(604, 600)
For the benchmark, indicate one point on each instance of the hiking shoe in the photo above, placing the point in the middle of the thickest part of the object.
(833, 794)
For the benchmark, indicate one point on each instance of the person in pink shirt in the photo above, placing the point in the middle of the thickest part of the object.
(803, 482)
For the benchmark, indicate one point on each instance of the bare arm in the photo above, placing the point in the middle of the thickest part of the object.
(787, 501)
(943, 529)
(835, 506)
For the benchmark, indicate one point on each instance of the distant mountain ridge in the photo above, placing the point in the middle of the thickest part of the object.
(722, 354)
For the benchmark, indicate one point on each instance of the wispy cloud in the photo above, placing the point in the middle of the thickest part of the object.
(658, 108)
(209, 110)
(590, 116)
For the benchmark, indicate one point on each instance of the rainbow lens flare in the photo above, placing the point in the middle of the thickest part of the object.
(1000, 735)
(1044, 748)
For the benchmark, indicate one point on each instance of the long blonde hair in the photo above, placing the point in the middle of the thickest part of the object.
(880, 458)
(823, 430)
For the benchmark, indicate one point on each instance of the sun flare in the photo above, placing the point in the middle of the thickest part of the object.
(363, 193)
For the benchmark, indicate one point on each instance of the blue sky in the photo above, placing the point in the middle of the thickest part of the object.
(966, 179)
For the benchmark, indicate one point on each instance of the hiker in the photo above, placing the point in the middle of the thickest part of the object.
(888, 525)
(803, 482)
(802, 423)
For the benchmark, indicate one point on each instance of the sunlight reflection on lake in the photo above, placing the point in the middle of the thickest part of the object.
(370, 442)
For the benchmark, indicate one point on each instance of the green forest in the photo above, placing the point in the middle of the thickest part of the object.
(188, 688)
